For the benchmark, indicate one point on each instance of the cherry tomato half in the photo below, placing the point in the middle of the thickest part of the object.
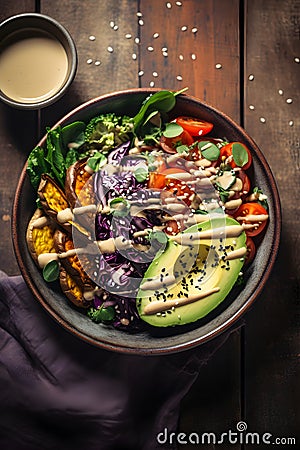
(226, 152)
(196, 127)
(172, 227)
(169, 144)
(246, 214)
(251, 250)
(172, 185)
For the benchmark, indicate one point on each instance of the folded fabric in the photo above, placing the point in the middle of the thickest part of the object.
(58, 392)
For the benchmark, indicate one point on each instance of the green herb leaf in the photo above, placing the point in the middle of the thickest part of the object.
(71, 157)
(119, 206)
(36, 166)
(182, 149)
(209, 150)
(240, 154)
(97, 161)
(74, 132)
(107, 314)
(141, 174)
(159, 236)
(51, 271)
(172, 130)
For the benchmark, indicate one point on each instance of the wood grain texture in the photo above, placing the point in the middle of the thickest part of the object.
(272, 331)
(15, 141)
(215, 42)
(117, 69)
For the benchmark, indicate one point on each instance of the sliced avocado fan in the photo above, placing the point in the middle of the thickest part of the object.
(194, 274)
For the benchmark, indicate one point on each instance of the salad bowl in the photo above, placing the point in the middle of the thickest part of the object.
(153, 340)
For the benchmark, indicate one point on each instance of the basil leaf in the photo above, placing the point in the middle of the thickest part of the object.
(240, 154)
(141, 174)
(172, 130)
(209, 150)
(51, 271)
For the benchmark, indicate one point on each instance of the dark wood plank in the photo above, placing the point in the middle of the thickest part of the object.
(17, 135)
(215, 42)
(117, 69)
(11, 8)
(272, 331)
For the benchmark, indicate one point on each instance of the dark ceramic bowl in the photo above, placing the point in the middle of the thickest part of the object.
(23, 26)
(160, 341)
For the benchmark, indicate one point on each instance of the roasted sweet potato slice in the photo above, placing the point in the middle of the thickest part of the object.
(63, 243)
(40, 235)
(73, 291)
(53, 199)
(78, 186)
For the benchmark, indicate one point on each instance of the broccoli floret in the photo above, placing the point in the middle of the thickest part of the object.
(107, 131)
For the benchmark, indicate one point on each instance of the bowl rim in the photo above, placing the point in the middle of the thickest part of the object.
(73, 61)
(189, 344)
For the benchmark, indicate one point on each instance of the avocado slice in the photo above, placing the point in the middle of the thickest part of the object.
(194, 274)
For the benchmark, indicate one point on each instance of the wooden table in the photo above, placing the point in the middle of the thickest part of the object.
(243, 58)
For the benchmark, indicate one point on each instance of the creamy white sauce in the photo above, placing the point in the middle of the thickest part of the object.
(32, 68)
(155, 307)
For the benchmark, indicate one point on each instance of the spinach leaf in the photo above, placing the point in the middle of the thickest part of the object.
(36, 166)
(74, 132)
(159, 102)
(54, 155)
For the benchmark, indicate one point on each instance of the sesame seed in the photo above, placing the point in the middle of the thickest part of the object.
(92, 38)
(155, 74)
(164, 49)
(137, 40)
(115, 27)
(262, 119)
(184, 28)
(128, 36)
(180, 57)
(155, 35)
(141, 22)
(289, 100)
(251, 107)
(110, 49)
(151, 84)
(112, 24)
(179, 77)
(297, 60)
(193, 56)
(291, 123)
(169, 5)
(97, 63)
(150, 48)
(280, 91)
(165, 53)
(134, 56)
(251, 77)
(178, 3)
(139, 14)
(218, 66)
(194, 30)
(89, 61)
(141, 73)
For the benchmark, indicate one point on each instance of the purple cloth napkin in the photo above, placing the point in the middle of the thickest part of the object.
(58, 392)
